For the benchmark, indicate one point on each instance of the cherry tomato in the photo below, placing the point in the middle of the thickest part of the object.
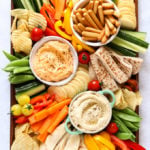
(36, 34)
(16, 110)
(84, 57)
(94, 85)
(21, 120)
(27, 109)
(112, 128)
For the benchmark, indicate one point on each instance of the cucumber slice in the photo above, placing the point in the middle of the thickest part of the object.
(122, 50)
(139, 35)
(133, 39)
(32, 91)
(131, 46)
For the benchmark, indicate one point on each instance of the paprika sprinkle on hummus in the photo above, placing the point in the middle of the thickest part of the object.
(53, 62)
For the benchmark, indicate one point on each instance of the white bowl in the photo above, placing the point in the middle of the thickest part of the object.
(81, 4)
(73, 51)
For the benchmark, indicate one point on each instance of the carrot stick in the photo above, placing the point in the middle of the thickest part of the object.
(61, 116)
(32, 119)
(42, 137)
(35, 127)
(41, 115)
(54, 103)
(46, 124)
(58, 106)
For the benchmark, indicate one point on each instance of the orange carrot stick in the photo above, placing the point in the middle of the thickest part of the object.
(54, 103)
(42, 137)
(46, 124)
(58, 106)
(32, 119)
(41, 115)
(35, 127)
(61, 116)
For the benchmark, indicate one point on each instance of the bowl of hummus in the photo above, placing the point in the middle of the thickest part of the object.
(53, 61)
(90, 112)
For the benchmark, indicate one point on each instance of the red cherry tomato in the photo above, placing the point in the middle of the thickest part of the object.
(94, 85)
(21, 120)
(112, 128)
(84, 57)
(36, 34)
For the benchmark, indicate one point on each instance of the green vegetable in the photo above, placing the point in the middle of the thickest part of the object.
(18, 63)
(127, 117)
(124, 136)
(129, 111)
(130, 125)
(9, 56)
(19, 55)
(32, 91)
(38, 5)
(21, 70)
(21, 79)
(8, 69)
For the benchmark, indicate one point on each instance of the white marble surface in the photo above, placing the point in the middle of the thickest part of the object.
(144, 24)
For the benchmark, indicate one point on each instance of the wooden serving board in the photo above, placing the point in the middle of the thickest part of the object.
(12, 89)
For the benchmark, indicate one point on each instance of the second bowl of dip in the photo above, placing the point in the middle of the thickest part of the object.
(53, 61)
(90, 112)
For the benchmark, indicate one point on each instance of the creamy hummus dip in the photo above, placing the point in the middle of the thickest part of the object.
(53, 61)
(90, 112)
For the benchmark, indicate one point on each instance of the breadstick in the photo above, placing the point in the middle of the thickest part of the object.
(108, 12)
(90, 20)
(117, 23)
(101, 15)
(110, 25)
(92, 30)
(112, 19)
(102, 35)
(74, 19)
(114, 31)
(84, 22)
(89, 38)
(79, 17)
(81, 26)
(107, 31)
(104, 39)
(95, 19)
(91, 4)
(90, 34)
(100, 1)
(95, 8)
(84, 10)
(77, 29)
(108, 5)
(116, 14)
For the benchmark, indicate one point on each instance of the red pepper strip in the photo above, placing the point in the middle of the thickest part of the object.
(47, 96)
(121, 144)
(43, 104)
(50, 32)
(36, 99)
(133, 145)
(48, 16)
(21, 120)
(50, 8)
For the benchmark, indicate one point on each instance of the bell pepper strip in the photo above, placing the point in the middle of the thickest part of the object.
(121, 144)
(50, 32)
(133, 145)
(79, 48)
(48, 96)
(101, 146)
(50, 8)
(37, 99)
(90, 143)
(48, 16)
(85, 47)
(43, 104)
(106, 135)
(52, 2)
(21, 120)
(104, 141)
(58, 25)
(133, 84)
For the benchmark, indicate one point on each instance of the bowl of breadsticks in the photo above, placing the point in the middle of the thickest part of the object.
(95, 22)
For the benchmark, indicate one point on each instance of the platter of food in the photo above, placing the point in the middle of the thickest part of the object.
(73, 72)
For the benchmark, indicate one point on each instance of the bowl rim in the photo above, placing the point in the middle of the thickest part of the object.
(39, 44)
(79, 129)
(93, 44)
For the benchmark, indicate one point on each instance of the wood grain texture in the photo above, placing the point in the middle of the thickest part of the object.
(13, 101)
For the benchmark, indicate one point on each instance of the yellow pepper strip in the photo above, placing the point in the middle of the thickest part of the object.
(70, 5)
(79, 48)
(100, 145)
(58, 25)
(104, 141)
(90, 143)
(66, 23)
(105, 135)
(74, 44)
(85, 47)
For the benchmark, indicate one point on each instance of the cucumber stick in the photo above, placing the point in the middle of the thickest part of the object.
(132, 39)
(131, 46)
(37, 4)
(46, 1)
(24, 4)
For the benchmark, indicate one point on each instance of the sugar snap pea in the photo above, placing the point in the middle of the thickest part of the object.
(129, 111)
(124, 136)
(127, 117)
(19, 55)
(21, 70)
(16, 63)
(21, 79)
(130, 125)
(10, 57)
(8, 69)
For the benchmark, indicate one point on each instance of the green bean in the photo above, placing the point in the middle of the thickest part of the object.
(18, 63)
(129, 112)
(21, 70)
(8, 69)
(127, 117)
(9, 56)
(137, 124)
(130, 125)
(21, 79)
(124, 136)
